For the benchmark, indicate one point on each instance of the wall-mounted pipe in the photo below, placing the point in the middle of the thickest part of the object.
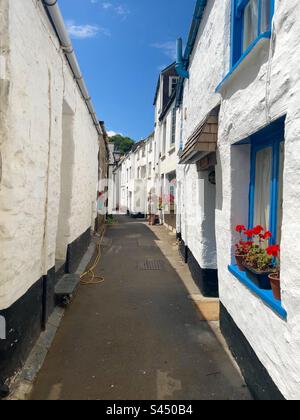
(57, 22)
(180, 67)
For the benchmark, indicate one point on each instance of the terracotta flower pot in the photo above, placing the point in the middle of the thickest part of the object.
(152, 219)
(275, 283)
(240, 262)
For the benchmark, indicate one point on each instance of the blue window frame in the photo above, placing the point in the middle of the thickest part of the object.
(267, 156)
(251, 19)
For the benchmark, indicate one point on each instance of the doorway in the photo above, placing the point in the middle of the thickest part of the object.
(63, 236)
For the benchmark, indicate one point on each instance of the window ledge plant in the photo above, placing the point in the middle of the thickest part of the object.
(258, 258)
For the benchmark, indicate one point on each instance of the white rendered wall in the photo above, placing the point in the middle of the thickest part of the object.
(268, 88)
(31, 145)
(169, 164)
(206, 69)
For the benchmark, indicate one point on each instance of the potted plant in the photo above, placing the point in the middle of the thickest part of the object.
(258, 263)
(274, 252)
(241, 248)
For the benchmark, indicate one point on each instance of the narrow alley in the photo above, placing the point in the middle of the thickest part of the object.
(137, 335)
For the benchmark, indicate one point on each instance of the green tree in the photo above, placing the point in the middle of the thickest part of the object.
(122, 144)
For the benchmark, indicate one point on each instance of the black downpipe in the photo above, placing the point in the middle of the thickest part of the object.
(44, 303)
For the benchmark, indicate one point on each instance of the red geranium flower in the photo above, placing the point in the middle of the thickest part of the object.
(273, 250)
(240, 228)
(267, 235)
(249, 233)
(258, 230)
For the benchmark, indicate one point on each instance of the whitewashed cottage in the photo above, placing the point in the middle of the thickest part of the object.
(240, 79)
(49, 143)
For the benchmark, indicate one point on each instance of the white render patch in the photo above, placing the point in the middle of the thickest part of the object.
(2, 67)
(209, 58)
(31, 149)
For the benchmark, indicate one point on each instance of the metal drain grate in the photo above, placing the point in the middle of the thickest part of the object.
(151, 265)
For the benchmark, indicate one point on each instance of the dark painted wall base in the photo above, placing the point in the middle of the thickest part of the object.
(178, 236)
(23, 327)
(76, 250)
(206, 280)
(183, 251)
(138, 215)
(27, 318)
(256, 376)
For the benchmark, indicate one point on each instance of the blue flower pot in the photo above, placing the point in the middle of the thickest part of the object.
(261, 279)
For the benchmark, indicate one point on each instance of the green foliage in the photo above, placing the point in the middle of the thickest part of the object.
(122, 144)
(258, 259)
(111, 220)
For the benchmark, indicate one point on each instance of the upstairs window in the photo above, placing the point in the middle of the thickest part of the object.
(164, 139)
(174, 121)
(173, 84)
(250, 20)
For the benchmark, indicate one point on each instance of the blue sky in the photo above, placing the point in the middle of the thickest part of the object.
(121, 47)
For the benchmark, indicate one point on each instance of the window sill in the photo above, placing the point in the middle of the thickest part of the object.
(172, 150)
(260, 43)
(265, 295)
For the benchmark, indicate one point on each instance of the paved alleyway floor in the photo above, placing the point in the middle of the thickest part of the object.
(138, 335)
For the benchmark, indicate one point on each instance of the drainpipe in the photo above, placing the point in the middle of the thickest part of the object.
(183, 60)
(57, 21)
(180, 67)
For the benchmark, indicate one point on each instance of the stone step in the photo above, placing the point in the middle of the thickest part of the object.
(66, 288)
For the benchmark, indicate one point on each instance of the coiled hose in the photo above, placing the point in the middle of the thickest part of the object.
(89, 277)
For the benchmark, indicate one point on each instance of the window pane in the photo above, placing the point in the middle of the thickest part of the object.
(265, 15)
(280, 193)
(250, 23)
(173, 137)
(263, 187)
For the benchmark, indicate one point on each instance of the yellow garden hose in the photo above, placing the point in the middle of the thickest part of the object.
(90, 273)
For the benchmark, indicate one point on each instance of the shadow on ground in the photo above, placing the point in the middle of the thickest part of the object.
(137, 336)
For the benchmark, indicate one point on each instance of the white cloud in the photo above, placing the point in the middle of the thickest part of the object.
(112, 133)
(168, 48)
(107, 5)
(85, 31)
(120, 9)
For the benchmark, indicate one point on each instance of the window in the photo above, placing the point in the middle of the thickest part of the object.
(250, 20)
(164, 139)
(173, 133)
(266, 189)
(172, 84)
(250, 23)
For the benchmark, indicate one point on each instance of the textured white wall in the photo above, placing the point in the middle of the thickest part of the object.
(31, 145)
(169, 164)
(267, 88)
(209, 58)
(264, 89)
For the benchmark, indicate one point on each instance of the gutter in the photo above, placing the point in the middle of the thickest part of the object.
(56, 19)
